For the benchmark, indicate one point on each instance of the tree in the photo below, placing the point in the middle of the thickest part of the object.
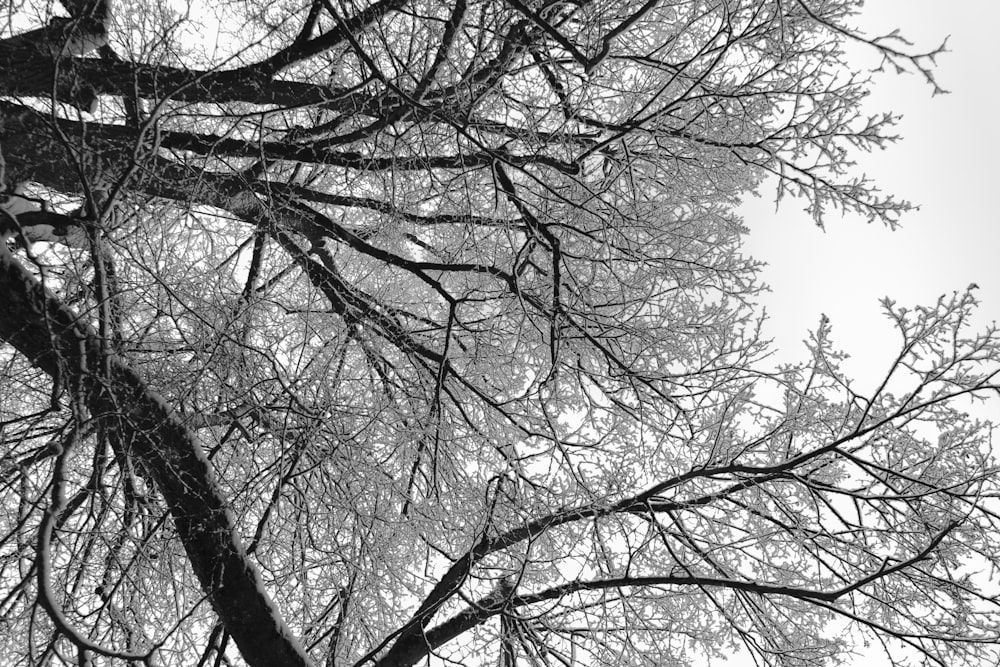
(401, 332)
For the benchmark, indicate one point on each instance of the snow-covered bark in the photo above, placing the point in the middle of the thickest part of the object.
(56, 341)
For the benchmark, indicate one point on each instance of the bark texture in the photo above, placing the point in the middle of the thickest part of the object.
(53, 338)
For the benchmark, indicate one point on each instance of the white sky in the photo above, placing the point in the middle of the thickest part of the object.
(945, 163)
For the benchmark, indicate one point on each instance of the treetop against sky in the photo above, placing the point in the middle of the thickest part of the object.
(393, 333)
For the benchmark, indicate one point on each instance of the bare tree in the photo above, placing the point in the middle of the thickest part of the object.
(415, 332)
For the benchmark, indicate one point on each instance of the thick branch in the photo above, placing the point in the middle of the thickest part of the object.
(497, 601)
(299, 51)
(53, 338)
(106, 77)
(26, 131)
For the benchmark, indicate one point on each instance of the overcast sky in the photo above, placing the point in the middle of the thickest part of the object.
(945, 162)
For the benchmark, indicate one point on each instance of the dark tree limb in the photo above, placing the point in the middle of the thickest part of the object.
(298, 50)
(53, 338)
(28, 73)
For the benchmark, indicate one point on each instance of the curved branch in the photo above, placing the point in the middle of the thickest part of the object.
(497, 602)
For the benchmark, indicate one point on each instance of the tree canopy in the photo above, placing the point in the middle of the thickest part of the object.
(418, 332)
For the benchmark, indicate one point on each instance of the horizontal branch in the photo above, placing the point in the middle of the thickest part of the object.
(497, 601)
(210, 144)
